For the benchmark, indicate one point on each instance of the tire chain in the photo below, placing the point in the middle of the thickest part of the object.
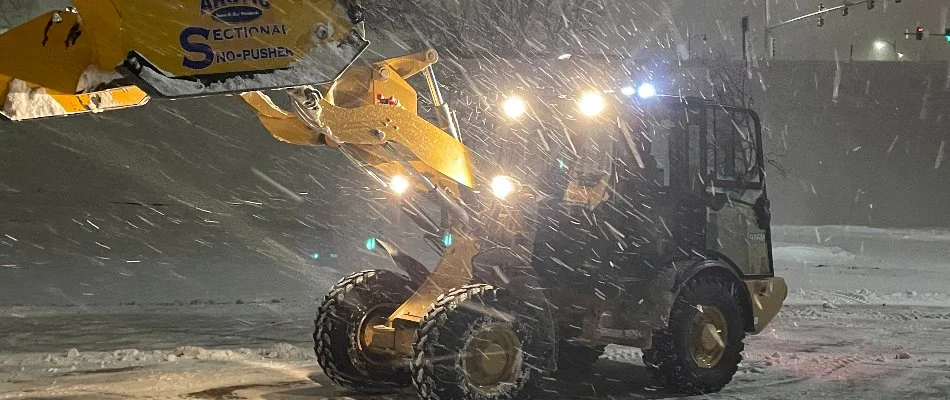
(665, 370)
(326, 317)
(446, 302)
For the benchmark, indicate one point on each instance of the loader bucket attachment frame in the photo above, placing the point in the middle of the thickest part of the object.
(371, 110)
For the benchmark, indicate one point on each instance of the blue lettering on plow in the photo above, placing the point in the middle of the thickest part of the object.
(192, 48)
(247, 32)
(252, 54)
(193, 43)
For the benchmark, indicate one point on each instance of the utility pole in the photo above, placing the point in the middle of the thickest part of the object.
(745, 43)
(767, 39)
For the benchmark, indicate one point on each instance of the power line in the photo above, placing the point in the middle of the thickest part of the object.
(844, 8)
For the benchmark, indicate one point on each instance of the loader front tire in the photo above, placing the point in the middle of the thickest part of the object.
(479, 342)
(352, 304)
(701, 348)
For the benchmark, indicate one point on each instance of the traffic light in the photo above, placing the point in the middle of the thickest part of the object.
(920, 33)
(821, 18)
(946, 34)
(870, 4)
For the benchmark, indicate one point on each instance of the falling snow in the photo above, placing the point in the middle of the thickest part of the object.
(178, 251)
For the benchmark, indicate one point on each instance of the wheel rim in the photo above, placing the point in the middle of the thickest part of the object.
(492, 357)
(708, 336)
(377, 315)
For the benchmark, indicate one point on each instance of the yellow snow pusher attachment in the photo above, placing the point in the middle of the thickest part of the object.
(650, 227)
(172, 49)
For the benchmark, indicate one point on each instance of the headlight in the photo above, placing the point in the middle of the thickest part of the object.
(646, 91)
(592, 103)
(399, 184)
(514, 107)
(503, 186)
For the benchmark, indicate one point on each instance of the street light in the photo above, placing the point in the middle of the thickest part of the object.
(880, 44)
(689, 41)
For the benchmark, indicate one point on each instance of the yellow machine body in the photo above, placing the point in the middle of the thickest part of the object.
(109, 54)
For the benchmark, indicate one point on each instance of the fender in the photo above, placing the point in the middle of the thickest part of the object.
(501, 267)
(708, 265)
(723, 269)
(416, 270)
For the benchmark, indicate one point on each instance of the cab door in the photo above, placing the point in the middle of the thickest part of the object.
(738, 219)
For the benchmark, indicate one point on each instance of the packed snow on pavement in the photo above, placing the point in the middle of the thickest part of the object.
(867, 317)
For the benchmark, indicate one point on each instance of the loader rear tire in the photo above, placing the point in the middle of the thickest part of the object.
(353, 303)
(479, 342)
(573, 357)
(701, 348)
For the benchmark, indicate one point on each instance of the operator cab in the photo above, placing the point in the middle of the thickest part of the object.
(668, 179)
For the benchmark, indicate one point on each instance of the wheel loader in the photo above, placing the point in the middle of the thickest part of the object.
(615, 220)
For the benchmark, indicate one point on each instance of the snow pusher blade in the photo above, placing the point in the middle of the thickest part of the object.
(21, 100)
(185, 48)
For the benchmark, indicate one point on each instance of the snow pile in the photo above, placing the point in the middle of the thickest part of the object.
(22, 102)
(823, 233)
(285, 351)
(201, 353)
(74, 359)
(282, 351)
(103, 101)
(812, 255)
(831, 298)
(93, 77)
(622, 354)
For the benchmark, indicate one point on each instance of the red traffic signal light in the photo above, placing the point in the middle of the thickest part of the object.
(920, 33)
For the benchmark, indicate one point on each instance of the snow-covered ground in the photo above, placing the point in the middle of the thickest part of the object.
(262, 351)
(860, 265)
(867, 317)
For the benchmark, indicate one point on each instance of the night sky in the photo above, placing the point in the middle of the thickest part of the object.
(661, 23)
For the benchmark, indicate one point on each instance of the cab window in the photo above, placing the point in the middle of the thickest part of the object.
(732, 150)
